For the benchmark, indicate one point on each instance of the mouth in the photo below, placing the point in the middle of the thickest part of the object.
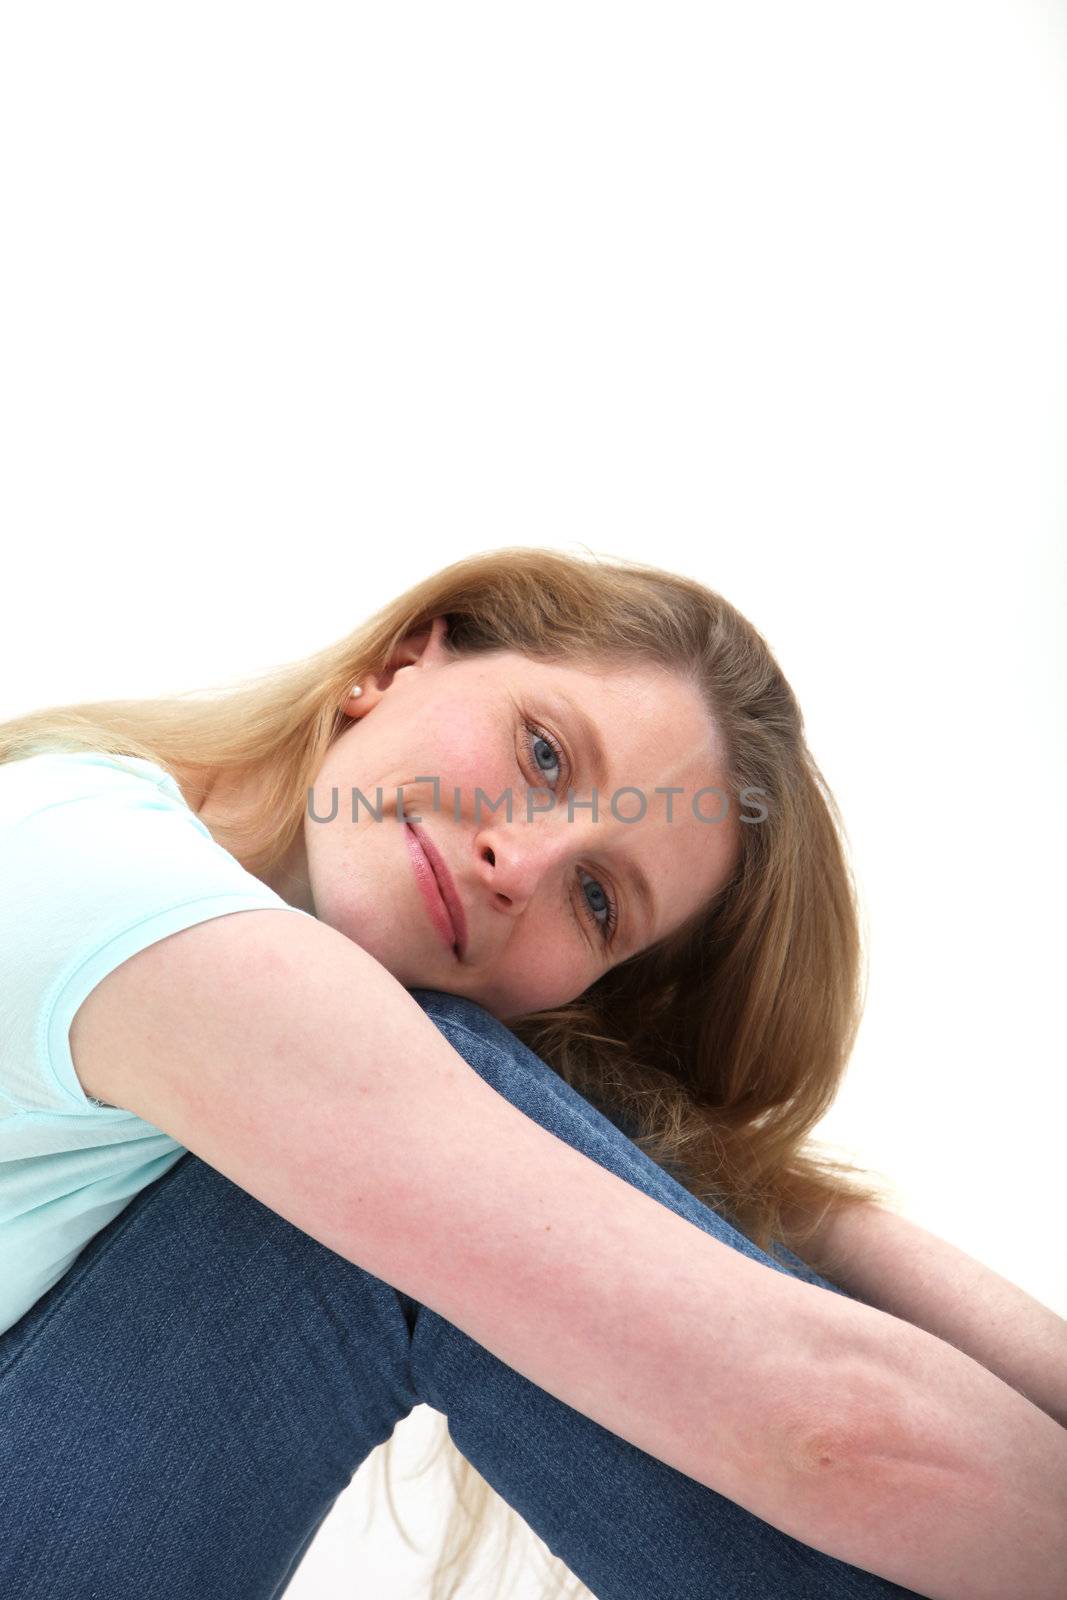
(438, 890)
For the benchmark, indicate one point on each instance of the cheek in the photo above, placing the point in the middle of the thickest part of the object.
(480, 754)
(535, 975)
(325, 872)
(344, 860)
(494, 777)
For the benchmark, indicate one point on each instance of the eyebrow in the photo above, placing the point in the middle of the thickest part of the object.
(591, 742)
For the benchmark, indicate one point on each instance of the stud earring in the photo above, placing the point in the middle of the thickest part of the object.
(357, 689)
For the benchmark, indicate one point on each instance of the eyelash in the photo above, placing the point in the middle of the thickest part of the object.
(606, 929)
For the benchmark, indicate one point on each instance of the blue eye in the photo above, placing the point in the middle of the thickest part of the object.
(555, 754)
(606, 927)
(608, 905)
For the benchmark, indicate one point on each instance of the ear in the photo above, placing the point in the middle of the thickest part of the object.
(425, 647)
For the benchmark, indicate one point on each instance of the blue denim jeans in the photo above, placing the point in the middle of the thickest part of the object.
(181, 1410)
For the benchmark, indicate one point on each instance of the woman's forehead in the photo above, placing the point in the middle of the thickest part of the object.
(654, 706)
(621, 679)
(657, 715)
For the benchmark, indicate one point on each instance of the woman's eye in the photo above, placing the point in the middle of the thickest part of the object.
(547, 755)
(549, 761)
(601, 902)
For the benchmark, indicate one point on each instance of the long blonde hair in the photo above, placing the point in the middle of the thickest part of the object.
(722, 1045)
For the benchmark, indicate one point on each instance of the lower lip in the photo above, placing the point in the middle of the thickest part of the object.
(431, 894)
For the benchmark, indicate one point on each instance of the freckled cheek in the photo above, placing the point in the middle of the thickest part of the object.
(494, 779)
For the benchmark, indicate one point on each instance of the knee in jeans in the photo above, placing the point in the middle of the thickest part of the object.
(444, 1008)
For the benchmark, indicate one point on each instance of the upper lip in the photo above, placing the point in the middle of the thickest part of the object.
(446, 885)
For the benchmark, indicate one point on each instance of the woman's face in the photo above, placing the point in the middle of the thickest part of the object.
(536, 891)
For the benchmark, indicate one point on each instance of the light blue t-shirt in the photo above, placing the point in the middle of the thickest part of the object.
(100, 856)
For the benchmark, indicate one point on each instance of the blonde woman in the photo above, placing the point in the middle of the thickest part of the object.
(508, 1115)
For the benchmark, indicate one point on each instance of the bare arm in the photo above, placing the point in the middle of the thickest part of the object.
(291, 1061)
(895, 1265)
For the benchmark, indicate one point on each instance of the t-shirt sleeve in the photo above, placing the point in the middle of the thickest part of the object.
(100, 856)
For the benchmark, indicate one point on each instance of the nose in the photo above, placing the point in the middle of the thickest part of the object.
(514, 859)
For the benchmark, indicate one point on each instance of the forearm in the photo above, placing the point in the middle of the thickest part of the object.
(893, 1264)
(946, 1481)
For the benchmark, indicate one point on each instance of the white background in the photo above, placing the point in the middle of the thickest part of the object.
(301, 302)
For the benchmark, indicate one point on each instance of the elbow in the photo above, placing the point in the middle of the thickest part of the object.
(832, 1454)
(851, 1419)
(827, 1447)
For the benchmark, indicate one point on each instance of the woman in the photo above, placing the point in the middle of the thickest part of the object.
(257, 1205)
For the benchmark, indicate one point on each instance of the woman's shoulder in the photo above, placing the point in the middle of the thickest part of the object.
(35, 758)
(100, 856)
(53, 776)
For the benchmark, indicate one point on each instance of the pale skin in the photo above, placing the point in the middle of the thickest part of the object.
(535, 891)
(534, 918)
(269, 1047)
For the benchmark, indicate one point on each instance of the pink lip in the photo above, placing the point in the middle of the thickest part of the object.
(437, 889)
